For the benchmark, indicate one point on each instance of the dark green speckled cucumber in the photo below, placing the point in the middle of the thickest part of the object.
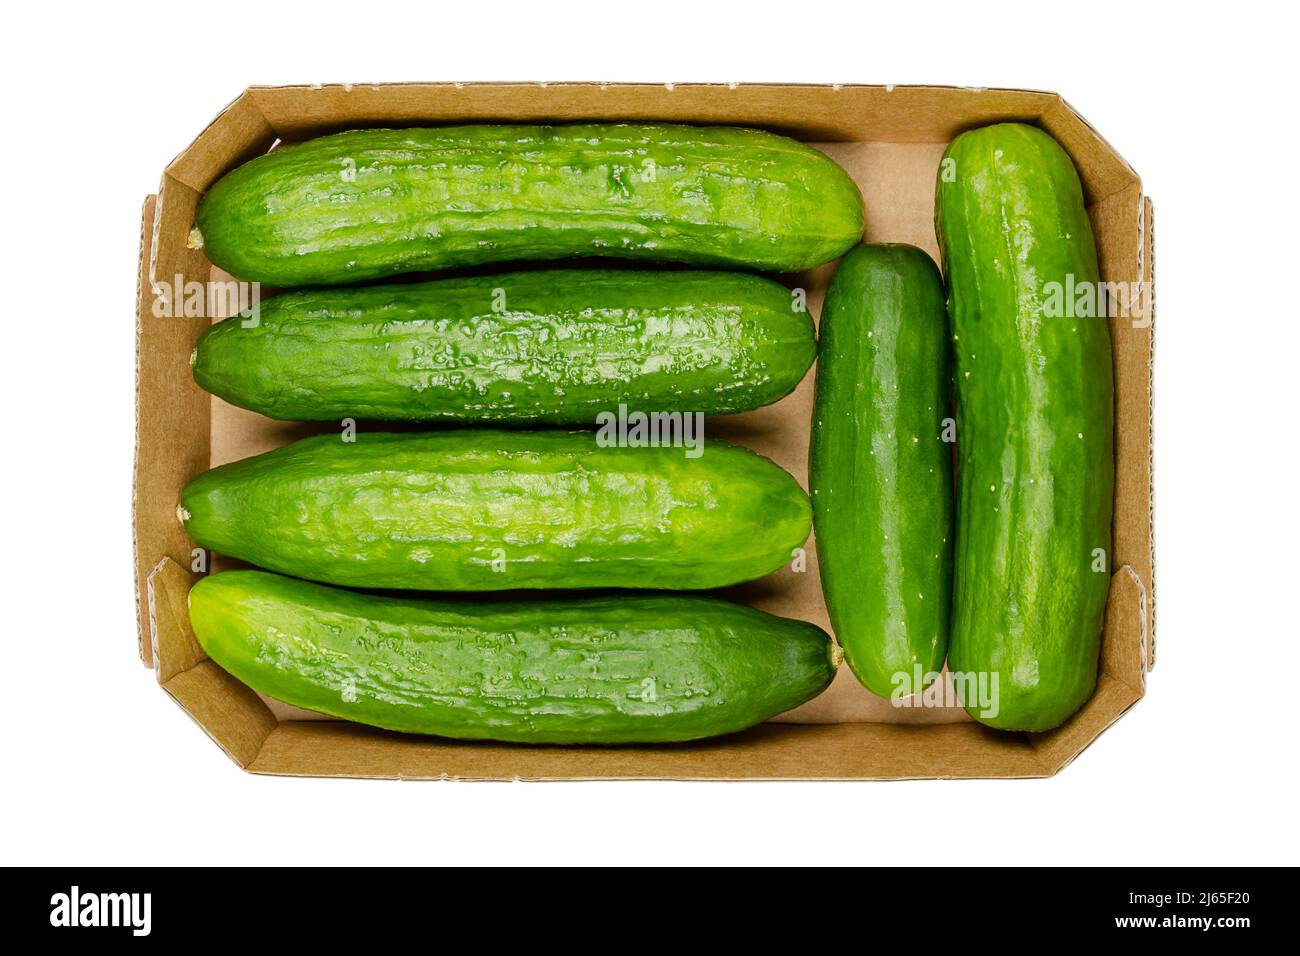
(555, 346)
(624, 669)
(372, 203)
(1035, 421)
(881, 472)
(470, 510)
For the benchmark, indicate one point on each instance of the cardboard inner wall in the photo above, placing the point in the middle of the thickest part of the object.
(890, 141)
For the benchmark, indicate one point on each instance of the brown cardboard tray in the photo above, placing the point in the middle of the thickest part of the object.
(890, 139)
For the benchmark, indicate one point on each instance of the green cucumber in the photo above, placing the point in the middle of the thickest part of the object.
(880, 470)
(492, 510)
(553, 346)
(1035, 422)
(372, 203)
(626, 669)
(600, 670)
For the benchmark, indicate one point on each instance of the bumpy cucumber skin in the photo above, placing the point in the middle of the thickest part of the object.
(373, 203)
(1035, 426)
(553, 347)
(604, 670)
(492, 510)
(880, 471)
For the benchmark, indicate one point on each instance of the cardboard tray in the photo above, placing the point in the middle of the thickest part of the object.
(890, 139)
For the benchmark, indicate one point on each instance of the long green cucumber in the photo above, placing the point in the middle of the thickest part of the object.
(554, 346)
(372, 203)
(492, 510)
(605, 670)
(1035, 421)
(881, 471)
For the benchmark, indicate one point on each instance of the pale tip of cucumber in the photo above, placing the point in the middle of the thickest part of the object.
(195, 239)
(182, 514)
(194, 356)
(837, 656)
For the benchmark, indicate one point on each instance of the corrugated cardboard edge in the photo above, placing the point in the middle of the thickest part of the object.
(160, 361)
(146, 254)
(1149, 274)
(242, 725)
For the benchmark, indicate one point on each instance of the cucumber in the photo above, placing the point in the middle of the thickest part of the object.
(1035, 421)
(490, 510)
(372, 203)
(596, 670)
(880, 470)
(552, 347)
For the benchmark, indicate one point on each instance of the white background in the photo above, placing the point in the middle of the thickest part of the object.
(101, 767)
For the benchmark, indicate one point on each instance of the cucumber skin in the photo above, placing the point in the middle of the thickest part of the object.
(596, 670)
(566, 345)
(372, 203)
(1028, 605)
(437, 511)
(880, 472)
